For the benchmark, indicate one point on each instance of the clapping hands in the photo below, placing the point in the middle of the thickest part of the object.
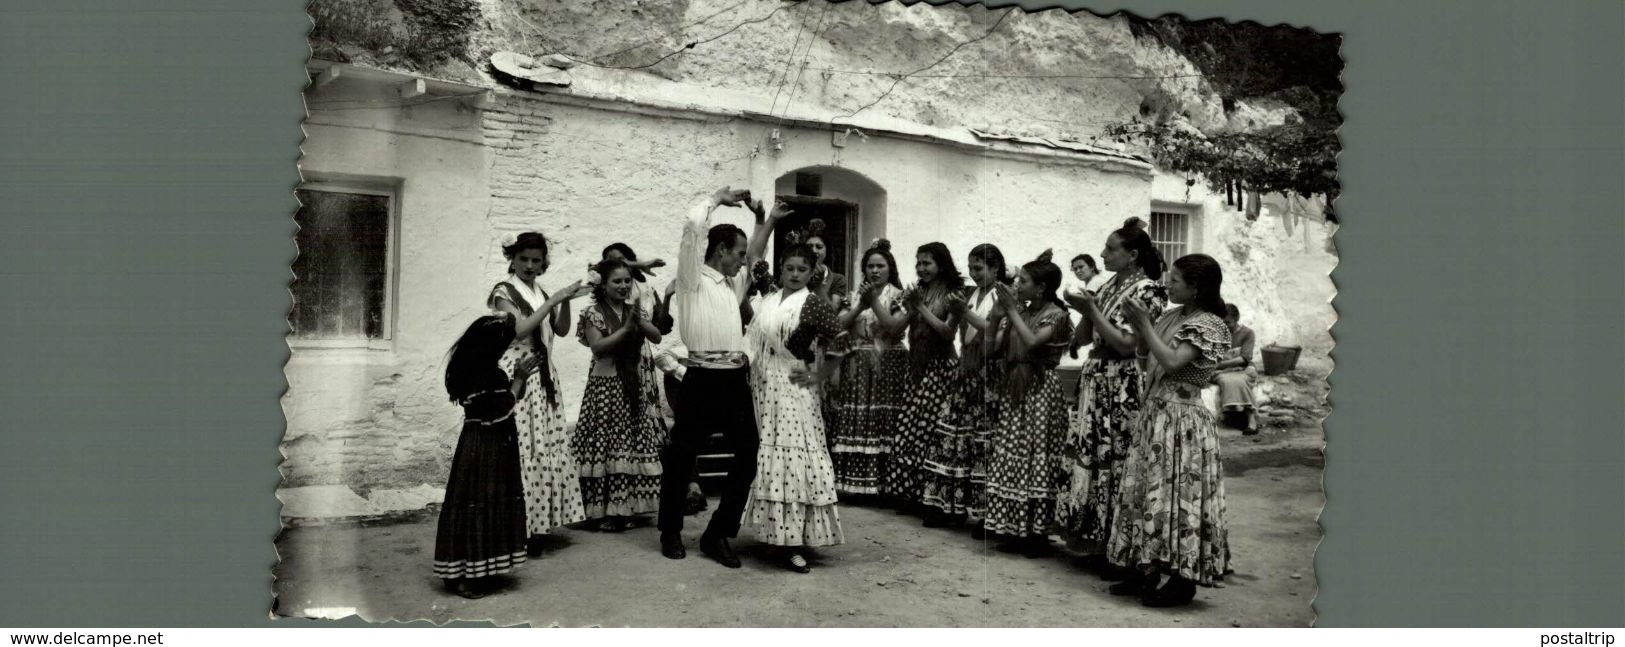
(1004, 299)
(1137, 313)
(1079, 298)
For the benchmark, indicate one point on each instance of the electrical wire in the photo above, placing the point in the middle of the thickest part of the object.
(689, 46)
(796, 86)
(939, 60)
(675, 32)
(778, 82)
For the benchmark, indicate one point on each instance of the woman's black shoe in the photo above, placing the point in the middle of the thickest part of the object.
(1177, 592)
(1137, 584)
(797, 563)
(464, 588)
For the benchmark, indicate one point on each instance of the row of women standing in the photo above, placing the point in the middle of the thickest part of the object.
(984, 436)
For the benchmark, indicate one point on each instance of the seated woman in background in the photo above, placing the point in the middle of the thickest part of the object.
(1235, 376)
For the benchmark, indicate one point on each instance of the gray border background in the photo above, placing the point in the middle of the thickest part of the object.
(1476, 465)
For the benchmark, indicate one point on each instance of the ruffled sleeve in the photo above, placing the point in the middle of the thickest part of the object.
(1208, 334)
(501, 292)
(818, 324)
(590, 316)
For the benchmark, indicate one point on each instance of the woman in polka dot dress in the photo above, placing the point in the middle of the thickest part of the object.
(792, 500)
(552, 492)
(873, 376)
(616, 444)
(1024, 470)
(1170, 527)
(930, 467)
(659, 310)
(983, 376)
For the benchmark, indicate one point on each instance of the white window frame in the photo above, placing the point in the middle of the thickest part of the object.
(1191, 242)
(388, 189)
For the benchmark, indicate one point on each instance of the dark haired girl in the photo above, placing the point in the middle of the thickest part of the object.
(482, 520)
(659, 311)
(1023, 477)
(552, 493)
(929, 470)
(873, 375)
(1109, 388)
(616, 444)
(1170, 523)
(792, 500)
(983, 372)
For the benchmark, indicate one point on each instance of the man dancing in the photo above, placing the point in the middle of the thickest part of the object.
(715, 388)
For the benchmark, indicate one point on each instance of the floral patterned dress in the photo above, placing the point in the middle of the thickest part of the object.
(792, 500)
(1024, 473)
(616, 444)
(552, 492)
(931, 460)
(865, 405)
(1170, 517)
(1099, 431)
(982, 402)
(651, 378)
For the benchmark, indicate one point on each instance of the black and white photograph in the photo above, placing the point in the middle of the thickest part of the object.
(799, 313)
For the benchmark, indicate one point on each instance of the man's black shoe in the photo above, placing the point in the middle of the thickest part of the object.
(671, 545)
(719, 550)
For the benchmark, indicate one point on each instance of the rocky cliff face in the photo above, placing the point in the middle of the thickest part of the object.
(1048, 73)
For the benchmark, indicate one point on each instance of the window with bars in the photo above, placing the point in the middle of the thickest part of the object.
(341, 286)
(1170, 232)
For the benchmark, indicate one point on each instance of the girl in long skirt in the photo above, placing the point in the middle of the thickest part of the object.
(983, 375)
(552, 492)
(1109, 388)
(1024, 475)
(616, 444)
(930, 467)
(1170, 527)
(792, 501)
(873, 376)
(482, 520)
(659, 313)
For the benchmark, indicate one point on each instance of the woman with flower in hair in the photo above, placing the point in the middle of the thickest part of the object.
(930, 466)
(1023, 473)
(1169, 529)
(1109, 388)
(552, 493)
(869, 393)
(983, 375)
(792, 500)
(617, 444)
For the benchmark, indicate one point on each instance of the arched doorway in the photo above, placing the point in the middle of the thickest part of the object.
(845, 208)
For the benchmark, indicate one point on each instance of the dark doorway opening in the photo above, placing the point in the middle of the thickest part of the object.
(833, 220)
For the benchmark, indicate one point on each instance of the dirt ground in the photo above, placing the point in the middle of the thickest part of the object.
(891, 572)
